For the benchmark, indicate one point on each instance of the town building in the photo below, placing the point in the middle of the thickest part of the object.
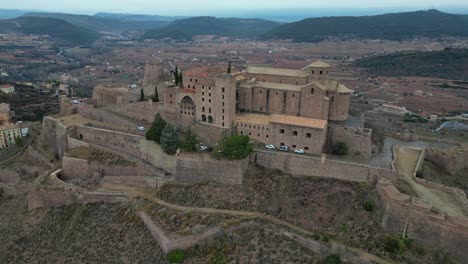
(8, 135)
(7, 88)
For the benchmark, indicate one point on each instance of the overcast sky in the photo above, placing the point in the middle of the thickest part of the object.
(208, 7)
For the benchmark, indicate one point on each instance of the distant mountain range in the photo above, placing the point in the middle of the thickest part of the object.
(234, 27)
(394, 26)
(139, 17)
(59, 29)
(102, 22)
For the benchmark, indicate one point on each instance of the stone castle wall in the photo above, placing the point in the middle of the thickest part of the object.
(451, 160)
(429, 228)
(130, 146)
(307, 166)
(74, 168)
(193, 168)
(55, 135)
(145, 111)
(358, 140)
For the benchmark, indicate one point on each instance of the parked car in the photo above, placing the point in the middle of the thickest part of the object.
(299, 151)
(141, 128)
(76, 101)
(283, 148)
(203, 147)
(270, 146)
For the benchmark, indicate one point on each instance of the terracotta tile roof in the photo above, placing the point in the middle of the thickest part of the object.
(298, 121)
(278, 86)
(318, 64)
(263, 119)
(276, 71)
(332, 85)
(290, 64)
(205, 71)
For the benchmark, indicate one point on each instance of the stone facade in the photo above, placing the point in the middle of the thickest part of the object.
(290, 101)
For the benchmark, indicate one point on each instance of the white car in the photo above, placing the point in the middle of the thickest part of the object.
(270, 146)
(141, 128)
(283, 148)
(203, 147)
(299, 151)
(76, 101)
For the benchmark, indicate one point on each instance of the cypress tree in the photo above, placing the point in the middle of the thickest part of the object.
(229, 67)
(176, 76)
(142, 95)
(155, 97)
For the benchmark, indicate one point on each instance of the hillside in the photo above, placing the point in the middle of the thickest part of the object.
(103, 24)
(187, 28)
(394, 26)
(447, 64)
(138, 17)
(55, 28)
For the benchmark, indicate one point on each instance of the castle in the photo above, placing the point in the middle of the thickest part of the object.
(301, 109)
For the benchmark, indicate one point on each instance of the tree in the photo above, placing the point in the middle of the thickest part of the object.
(155, 97)
(155, 132)
(229, 67)
(176, 76)
(180, 78)
(190, 141)
(234, 147)
(19, 141)
(340, 148)
(142, 95)
(169, 140)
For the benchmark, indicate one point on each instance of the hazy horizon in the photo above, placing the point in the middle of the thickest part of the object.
(241, 8)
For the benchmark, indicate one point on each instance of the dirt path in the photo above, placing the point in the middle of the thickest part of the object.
(406, 160)
(141, 194)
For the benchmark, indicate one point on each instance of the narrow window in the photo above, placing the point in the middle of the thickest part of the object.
(281, 131)
(294, 133)
(308, 135)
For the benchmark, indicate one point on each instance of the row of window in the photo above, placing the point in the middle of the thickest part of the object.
(295, 133)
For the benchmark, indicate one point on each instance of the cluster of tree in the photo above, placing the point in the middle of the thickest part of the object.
(446, 64)
(166, 135)
(394, 26)
(234, 147)
(414, 118)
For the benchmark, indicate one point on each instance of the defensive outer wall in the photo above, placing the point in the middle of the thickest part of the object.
(400, 212)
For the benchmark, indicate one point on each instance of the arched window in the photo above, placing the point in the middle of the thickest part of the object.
(312, 91)
(203, 109)
(203, 118)
(210, 120)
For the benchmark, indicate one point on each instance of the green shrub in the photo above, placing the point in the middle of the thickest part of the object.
(176, 256)
(234, 147)
(340, 148)
(325, 239)
(343, 228)
(316, 236)
(169, 140)
(392, 245)
(155, 132)
(332, 259)
(190, 141)
(368, 205)
(19, 141)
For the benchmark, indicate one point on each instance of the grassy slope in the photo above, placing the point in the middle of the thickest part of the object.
(187, 28)
(394, 26)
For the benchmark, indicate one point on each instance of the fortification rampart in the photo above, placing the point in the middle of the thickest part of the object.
(133, 146)
(320, 167)
(451, 160)
(192, 168)
(402, 212)
(104, 116)
(144, 111)
(55, 135)
(357, 140)
(74, 168)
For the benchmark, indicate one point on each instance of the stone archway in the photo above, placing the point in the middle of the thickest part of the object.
(187, 106)
(210, 120)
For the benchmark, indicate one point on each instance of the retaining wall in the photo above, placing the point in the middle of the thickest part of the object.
(192, 168)
(311, 166)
